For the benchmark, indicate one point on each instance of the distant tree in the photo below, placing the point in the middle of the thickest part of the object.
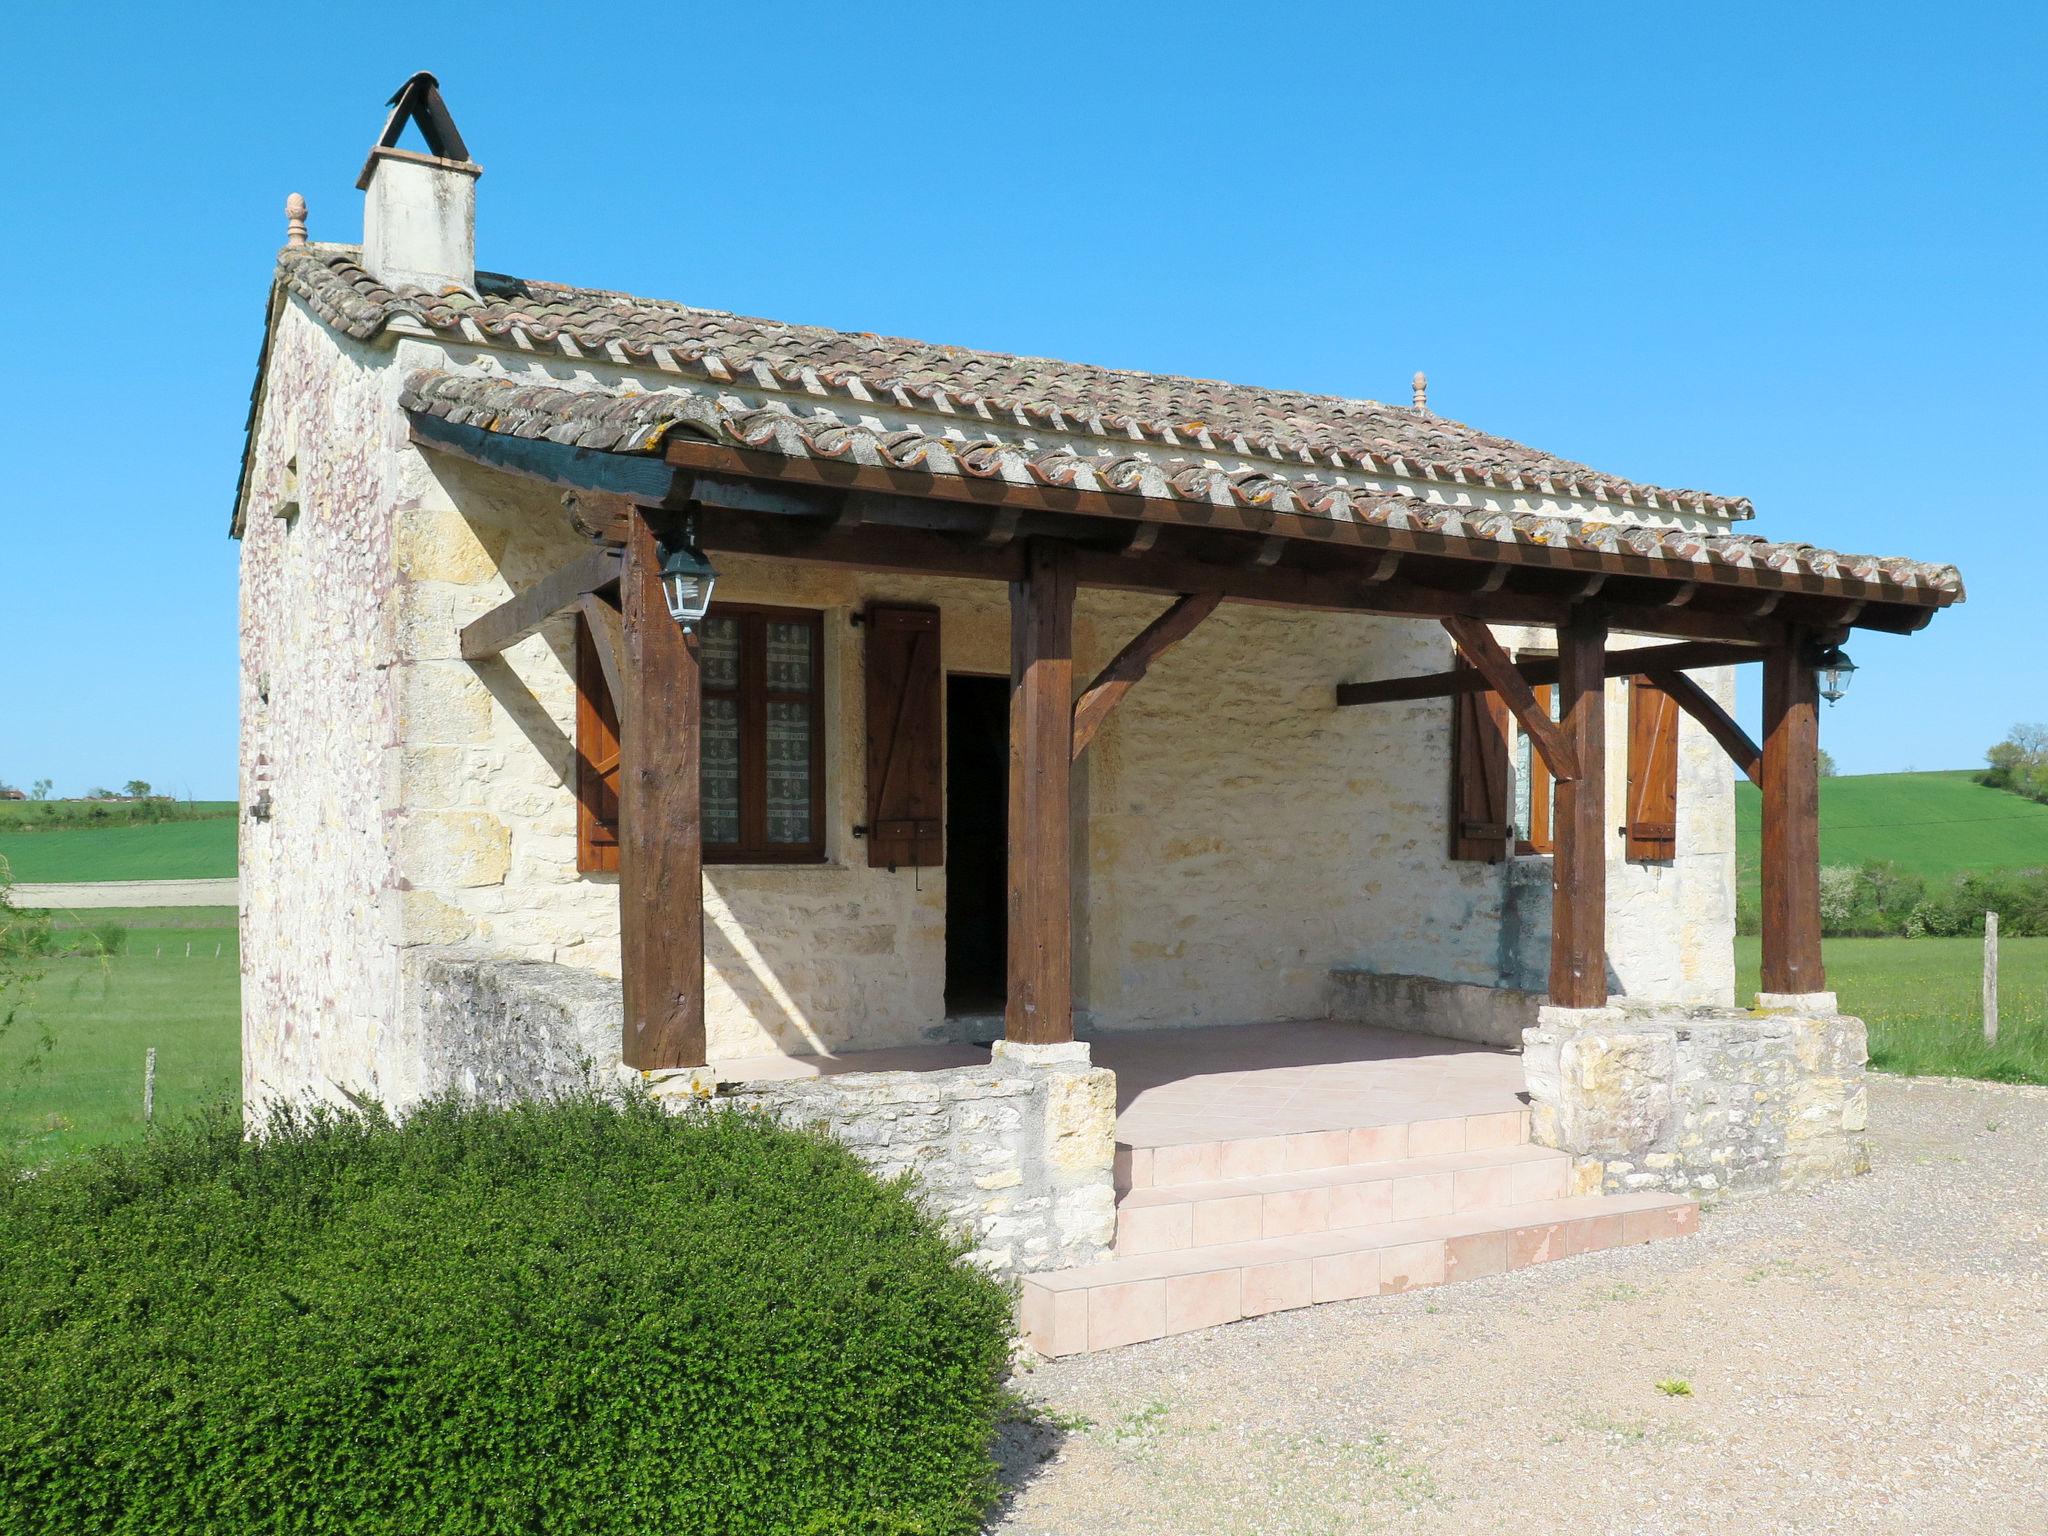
(100, 792)
(2020, 762)
(1827, 763)
(41, 790)
(136, 789)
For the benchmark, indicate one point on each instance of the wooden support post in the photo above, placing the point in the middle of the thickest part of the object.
(1578, 890)
(1040, 1005)
(661, 850)
(1791, 854)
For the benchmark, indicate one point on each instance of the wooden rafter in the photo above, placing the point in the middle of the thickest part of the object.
(1537, 672)
(517, 617)
(1493, 664)
(1134, 660)
(1706, 709)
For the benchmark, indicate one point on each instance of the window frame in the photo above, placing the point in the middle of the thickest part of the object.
(753, 697)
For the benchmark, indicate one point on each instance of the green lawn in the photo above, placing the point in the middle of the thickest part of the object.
(1922, 999)
(164, 850)
(71, 1067)
(1933, 824)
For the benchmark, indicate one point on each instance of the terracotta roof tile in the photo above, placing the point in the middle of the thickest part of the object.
(621, 422)
(1157, 410)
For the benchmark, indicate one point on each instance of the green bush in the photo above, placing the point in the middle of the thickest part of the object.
(578, 1316)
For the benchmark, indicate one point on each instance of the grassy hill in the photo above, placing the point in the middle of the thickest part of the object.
(1934, 824)
(163, 850)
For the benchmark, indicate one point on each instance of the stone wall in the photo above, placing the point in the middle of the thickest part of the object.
(1700, 1101)
(1423, 1005)
(1016, 1155)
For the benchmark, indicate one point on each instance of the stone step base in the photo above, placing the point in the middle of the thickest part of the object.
(1254, 1157)
(1358, 1195)
(1130, 1299)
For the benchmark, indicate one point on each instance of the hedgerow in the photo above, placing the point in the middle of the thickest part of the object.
(565, 1317)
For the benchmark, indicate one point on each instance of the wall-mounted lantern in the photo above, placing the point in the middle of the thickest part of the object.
(1835, 669)
(686, 579)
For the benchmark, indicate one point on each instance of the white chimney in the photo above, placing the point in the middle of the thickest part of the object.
(419, 211)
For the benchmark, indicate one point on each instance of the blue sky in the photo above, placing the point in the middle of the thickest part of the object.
(1794, 253)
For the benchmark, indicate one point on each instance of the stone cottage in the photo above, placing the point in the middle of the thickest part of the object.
(1242, 848)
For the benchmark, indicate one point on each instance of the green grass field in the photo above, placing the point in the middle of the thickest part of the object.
(1933, 824)
(71, 1067)
(1922, 999)
(164, 850)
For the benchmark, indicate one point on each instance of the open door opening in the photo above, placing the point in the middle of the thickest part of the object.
(977, 844)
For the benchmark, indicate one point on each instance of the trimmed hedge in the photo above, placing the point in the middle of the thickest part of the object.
(564, 1317)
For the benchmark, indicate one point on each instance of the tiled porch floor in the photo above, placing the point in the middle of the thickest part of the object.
(1240, 1080)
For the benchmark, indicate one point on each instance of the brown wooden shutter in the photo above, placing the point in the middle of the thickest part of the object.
(1537, 835)
(1482, 783)
(1652, 829)
(906, 793)
(597, 761)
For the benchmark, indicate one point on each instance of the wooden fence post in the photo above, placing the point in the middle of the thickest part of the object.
(149, 1086)
(1991, 978)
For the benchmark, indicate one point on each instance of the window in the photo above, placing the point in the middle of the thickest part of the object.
(764, 734)
(762, 769)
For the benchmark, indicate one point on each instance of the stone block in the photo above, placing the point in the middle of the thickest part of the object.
(451, 850)
(442, 703)
(439, 544)
(1080, 1119)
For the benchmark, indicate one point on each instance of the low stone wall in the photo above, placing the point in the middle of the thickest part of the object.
(501, 1029)
(1015, 1154)
(1423, 1005)
(1700, 1100)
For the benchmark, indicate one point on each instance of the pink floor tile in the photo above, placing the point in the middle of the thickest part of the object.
(1592, 1233)
(1252, 1157)
(1127, 1313)
(1549, 1179)
(1664, 1221)
(1152, 1229)
(1344, 1276)
(1189, 1163)
(1535, 1245)
(1422, 1194)
(1238, 1219)
(1476, 1255)
(1474, 1189)
(1297, 1210)
(1411, 1266)
(1378, 1143)
(1056, 1322)
(1318, 1149)
(1361, 1204)
(1434, 1138)
(1202, 1301)
(1496, 1130)
(1275, 1287)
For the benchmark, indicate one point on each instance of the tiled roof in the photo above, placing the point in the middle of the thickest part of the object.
(621, 422)
(1032, 393)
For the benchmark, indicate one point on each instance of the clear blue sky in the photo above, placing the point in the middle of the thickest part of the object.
(1789, 252)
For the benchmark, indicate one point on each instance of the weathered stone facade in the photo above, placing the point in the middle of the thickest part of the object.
(1016, 1154)
(1236, 836)
(1702, 1100)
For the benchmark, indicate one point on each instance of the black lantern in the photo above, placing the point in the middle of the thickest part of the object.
(1835, 669)
(686, 579)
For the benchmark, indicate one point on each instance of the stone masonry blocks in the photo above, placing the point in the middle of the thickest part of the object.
(1698, 1100)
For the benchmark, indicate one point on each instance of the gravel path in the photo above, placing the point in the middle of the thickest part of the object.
(1872, 1356)
(131, 893)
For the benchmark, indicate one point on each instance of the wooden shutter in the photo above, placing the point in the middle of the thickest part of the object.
(1536, 836)
(1482, 781)
(1652, 829)
(906, 793)
(597, 761)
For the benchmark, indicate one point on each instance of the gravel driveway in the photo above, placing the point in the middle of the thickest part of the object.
(1872, 1356)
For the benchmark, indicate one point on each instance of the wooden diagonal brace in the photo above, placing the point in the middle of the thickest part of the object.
(1706, 709)
(608, 634)
(1132, 662)
(513, 620)
(1493, 664)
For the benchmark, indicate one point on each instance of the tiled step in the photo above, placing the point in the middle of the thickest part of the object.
(1163, 1219)
(1130, 1299)
(1253, 1157)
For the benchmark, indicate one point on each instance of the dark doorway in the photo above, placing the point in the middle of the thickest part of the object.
(977, 842)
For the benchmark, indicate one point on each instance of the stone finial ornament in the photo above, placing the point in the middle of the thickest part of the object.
(295, 220)
(1421, 383)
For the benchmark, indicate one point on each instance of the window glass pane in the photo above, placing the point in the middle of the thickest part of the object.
(718, 653)
(789, 772)
(1522, 749)
(720, 774)
(789, 657)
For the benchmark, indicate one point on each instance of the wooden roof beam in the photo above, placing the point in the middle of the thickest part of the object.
(1542, 671)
